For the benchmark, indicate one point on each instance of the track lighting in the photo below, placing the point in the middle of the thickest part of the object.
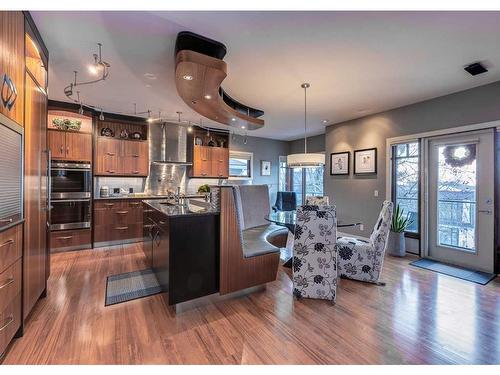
(101, 116)
(80, 111)
(190, 128)
(150, 119)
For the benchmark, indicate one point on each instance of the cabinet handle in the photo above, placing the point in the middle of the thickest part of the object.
(135, 172)
(135, 156)
(111, 171)
(65, 238)
(67, 150)
(122, 212)
(9, 281)
(10, 319)
(6, 220)
(109, 204)
(203, 174)
(61, 149)
(7, 243)
(9, 92)
(121, 228)
(110, 153)
(134, 203)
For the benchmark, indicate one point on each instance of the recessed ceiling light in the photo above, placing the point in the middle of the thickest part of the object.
(208, 97)
(148, 85)
(475, 69)
(233, 119)
(325, 121)
(187, 77)
(243, 126)
(150, 76)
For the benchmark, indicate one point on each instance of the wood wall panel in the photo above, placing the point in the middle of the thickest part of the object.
(35, 194)
(237, 272)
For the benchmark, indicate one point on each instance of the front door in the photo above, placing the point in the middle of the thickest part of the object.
(461, 200)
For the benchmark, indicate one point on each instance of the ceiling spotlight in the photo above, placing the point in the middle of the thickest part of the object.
(208, 97)
(187, 77)
(80, 111)
(94, 68)
(101, 116)
(233, 119)
(325, 121)
(150, 119)
(190, 128)
(243, 126)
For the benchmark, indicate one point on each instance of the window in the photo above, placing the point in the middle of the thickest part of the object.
(405, 181)
(240, 165)
(303, 181)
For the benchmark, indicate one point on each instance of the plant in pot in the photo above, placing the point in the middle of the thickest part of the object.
(400, 222)
(204, 189)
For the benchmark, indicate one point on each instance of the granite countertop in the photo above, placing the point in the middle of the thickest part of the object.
(192, 207)
(145, 196)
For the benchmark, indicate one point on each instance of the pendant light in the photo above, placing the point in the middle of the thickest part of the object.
(305, 160)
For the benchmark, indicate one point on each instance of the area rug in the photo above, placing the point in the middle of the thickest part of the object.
(131, 285)
(477, 277)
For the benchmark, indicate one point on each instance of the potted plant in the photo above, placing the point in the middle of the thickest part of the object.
(400, 222)
(204, 189)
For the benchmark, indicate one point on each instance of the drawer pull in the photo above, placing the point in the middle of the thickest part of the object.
(9, 281)
(7, 243)
(109, 204)
(121, 228)
(135, 172)
(135, 203)
(111, 171)
(122, 212)
(10, 319)
(135, 156)
(6, 220)
(65, 238)
(110, 153)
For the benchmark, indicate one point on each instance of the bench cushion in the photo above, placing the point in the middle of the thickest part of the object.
(255, 240)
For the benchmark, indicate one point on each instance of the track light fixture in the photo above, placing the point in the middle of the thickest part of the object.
(101, 116)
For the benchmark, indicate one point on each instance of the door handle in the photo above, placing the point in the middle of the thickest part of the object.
(67, 150)
(65, 238)
(6, 220)
(489, 212)
(122, 212)
(9, 92)
(110, 153)
(7, 243)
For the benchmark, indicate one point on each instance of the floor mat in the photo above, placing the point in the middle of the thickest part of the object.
(477, 277)
(131, 285)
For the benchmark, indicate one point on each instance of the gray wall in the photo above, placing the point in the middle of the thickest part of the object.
(314, 144)
(263, 149)
(354, 196)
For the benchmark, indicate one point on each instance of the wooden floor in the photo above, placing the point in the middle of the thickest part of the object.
(418, 317)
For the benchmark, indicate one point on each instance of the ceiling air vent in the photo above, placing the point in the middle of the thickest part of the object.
(475, 69)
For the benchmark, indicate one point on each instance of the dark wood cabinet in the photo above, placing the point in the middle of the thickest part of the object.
(12, 64)
(117, 221)
(115, 157)
(73, 146)
(220, 162)
(10, 304)
(68, 240)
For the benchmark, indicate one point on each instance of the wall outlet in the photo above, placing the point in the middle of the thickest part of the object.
(375, 193)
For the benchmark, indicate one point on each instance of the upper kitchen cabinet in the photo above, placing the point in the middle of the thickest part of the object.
(12, 65)
(121, 148)
(71, 145)
(210, 154)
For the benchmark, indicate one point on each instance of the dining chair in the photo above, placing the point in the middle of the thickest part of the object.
(314, 262)
(362, 259)
(285, 201)
(317, 201)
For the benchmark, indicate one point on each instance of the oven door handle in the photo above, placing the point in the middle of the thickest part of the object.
(69, 200)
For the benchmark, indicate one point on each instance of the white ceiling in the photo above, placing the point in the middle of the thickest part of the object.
(358, 63)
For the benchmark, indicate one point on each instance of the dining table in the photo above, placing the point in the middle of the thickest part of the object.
(288, 219)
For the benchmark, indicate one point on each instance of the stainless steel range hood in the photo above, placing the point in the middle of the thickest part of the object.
(168, 144)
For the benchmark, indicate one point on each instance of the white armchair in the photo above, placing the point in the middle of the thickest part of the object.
(317, 201)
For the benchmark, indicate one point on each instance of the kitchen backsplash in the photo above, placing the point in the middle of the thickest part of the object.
(137, 183)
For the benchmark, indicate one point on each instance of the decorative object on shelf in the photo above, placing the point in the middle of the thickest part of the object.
(400, 223)
(458, 156)
(305, 160)
(221, 142)
(67, 124)
(198, 141)
(124, 133)
(211, 143)
(339, 163)
(107, 132)
(265, 168)
(135, 135)
(365, 161)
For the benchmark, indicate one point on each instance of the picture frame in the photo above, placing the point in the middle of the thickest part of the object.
(365, 161)
(265, 168)
(340, 163)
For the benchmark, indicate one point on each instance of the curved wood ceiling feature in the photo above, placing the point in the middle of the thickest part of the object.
(203, 92)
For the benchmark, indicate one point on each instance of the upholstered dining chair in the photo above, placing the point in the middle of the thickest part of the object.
(314, 262)
(317, 201)
(285, 201)
(362, 259)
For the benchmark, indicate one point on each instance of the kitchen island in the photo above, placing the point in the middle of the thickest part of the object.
(181, 244)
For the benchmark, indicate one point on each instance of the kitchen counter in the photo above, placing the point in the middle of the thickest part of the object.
(145, 196)
(192, 207)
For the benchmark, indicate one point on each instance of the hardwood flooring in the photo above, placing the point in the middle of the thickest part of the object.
(418, 317)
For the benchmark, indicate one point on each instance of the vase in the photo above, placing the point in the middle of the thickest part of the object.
(396, 245)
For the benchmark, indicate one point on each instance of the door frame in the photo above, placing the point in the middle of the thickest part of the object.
(424, 175)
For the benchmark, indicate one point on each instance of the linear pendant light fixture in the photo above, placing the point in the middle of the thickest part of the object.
(305, 160)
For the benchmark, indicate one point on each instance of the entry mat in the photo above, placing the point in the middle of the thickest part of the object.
(478, 277)
(131, 285)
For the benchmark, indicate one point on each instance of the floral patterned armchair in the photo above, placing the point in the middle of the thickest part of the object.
(315, 255)
(361, 259)
(317, 201)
